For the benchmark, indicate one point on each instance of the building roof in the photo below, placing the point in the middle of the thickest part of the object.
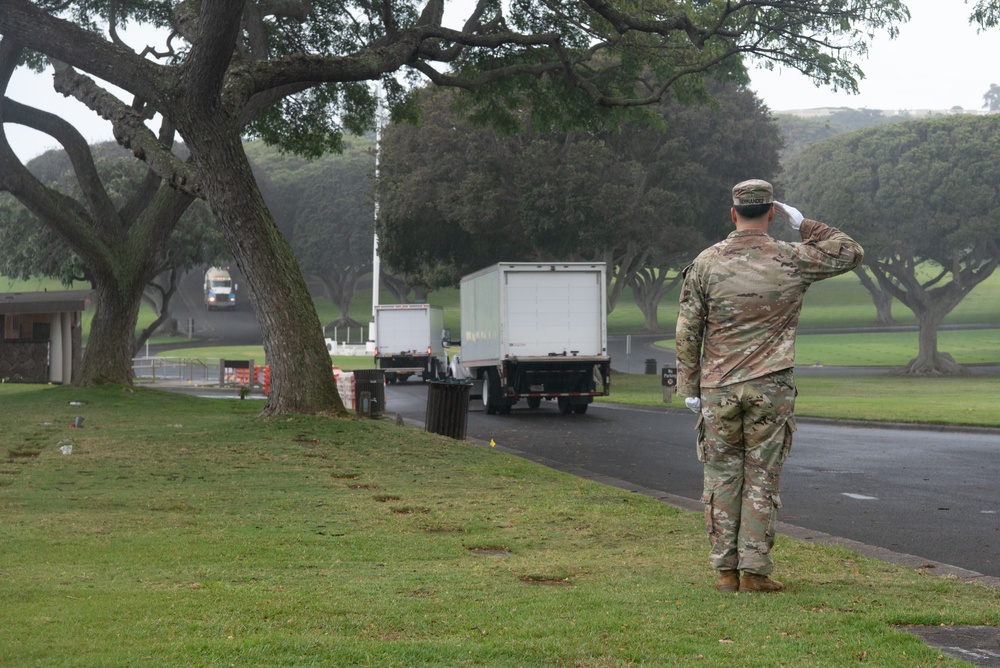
(45, 302)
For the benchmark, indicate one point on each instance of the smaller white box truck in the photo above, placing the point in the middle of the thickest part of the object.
(536, 331)
(408, 341)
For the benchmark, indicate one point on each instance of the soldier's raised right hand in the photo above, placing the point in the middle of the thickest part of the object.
(791, 214)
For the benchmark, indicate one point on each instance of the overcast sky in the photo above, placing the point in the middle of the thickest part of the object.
(938, 61)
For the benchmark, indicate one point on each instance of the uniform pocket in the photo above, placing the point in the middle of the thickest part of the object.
(707, 498)
(786, 446)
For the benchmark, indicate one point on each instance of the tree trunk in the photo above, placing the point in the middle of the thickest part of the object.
(881, 298)
(340, 288)
(110, 346)
(301, 379)
(647, 298)
(161, 306)
(649, 285)
(930, 362)
(420, 294)
(399, 288)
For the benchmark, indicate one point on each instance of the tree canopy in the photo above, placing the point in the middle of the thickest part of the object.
(454, 197)
(922, 199)
(296, 73)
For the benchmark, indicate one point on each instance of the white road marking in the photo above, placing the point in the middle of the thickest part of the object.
(860, 497)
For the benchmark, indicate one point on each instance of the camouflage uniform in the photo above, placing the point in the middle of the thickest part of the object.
(739, 307)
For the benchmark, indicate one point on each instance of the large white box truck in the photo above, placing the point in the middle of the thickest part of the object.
(536, 331)
(408, 341)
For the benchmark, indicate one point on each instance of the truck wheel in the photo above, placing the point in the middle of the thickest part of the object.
(491, 392)
(565, 407)
(534, 402)
(580, 409)
(391, 377)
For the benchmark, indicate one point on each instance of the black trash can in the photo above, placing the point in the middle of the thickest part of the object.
(447, 407)
(651, 367)
(369, 392)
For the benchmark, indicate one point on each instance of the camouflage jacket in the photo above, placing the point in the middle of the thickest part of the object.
(740, 303)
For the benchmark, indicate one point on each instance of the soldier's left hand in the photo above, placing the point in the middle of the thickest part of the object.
(694, 403)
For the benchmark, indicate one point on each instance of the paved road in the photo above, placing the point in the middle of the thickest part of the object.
(927, 493)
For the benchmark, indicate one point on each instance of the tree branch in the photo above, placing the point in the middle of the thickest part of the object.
(129, 129)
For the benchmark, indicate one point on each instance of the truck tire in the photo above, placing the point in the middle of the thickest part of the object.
(580, 409)
(565, 407)
(534, 402)
(491, 392)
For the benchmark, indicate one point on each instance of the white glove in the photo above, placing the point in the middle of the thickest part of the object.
(791, 214)
(694, 403)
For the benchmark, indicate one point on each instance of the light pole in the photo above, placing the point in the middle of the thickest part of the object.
(376, 263)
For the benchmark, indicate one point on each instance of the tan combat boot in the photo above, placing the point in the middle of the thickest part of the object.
(761, 583)
(728, 582)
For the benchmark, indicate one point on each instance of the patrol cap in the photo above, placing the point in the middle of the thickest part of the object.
(752, 192)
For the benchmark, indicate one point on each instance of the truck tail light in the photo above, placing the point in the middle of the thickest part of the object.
(376, 352)
(428, 350)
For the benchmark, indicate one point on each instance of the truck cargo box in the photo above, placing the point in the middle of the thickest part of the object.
(536, 331)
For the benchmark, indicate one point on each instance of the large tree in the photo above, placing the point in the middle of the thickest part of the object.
(324, 207)
(121, 244)
(922, 198)
(295, 73)
(34, 249)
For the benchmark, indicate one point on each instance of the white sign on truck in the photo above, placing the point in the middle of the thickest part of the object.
(536, 331)
(408, 341)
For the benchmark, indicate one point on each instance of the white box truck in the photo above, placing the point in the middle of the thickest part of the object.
(536, 331)
(408, 341)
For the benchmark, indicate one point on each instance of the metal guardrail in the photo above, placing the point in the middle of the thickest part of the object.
(176, 369)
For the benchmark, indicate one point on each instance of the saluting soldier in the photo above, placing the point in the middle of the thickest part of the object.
(739, 308)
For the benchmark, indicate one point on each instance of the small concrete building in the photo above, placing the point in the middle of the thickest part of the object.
(41, 339)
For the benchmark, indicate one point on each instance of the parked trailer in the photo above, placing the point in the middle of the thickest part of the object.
(408, 341)
(536, 331)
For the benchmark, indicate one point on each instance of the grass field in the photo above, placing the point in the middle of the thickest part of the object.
(889, 349)
(967, 400)
(187, 532)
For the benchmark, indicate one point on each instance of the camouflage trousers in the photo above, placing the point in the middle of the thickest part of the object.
(744, 435)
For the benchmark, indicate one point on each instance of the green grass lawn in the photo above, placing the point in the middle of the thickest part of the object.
(965, 400)
(889, 349)
(189, 532)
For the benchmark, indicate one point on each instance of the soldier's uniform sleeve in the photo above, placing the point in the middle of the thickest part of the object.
(826, 251)
(690, 334)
